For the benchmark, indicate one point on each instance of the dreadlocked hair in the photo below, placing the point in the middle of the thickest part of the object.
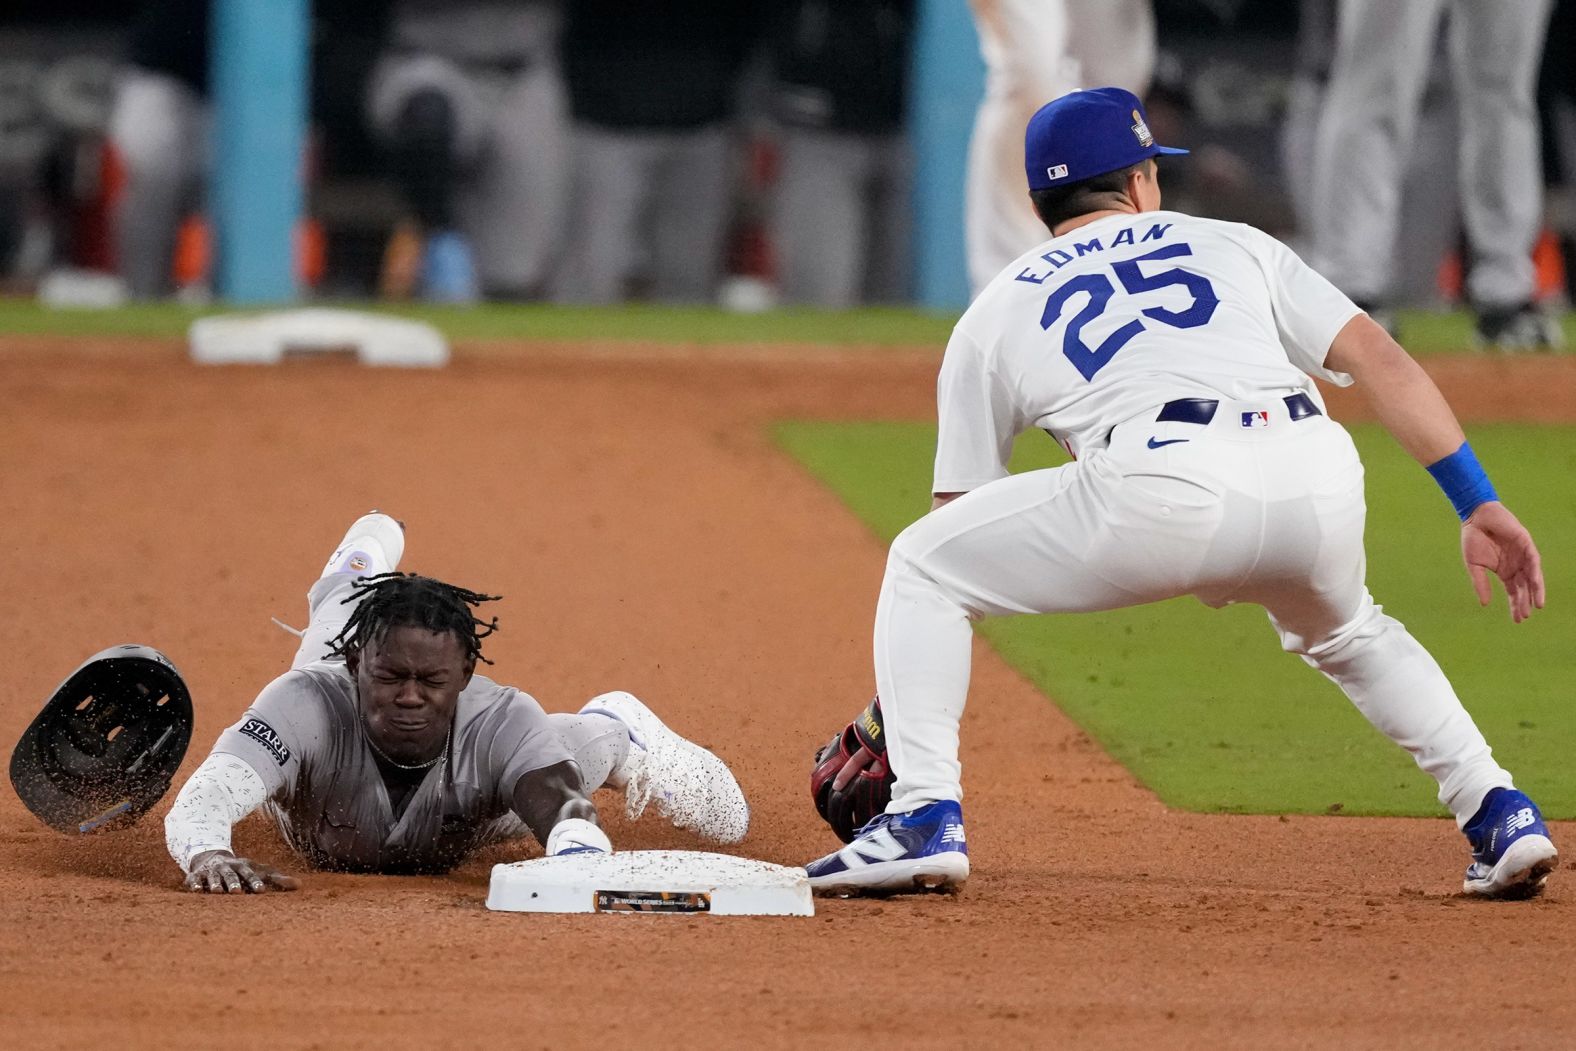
(390, 600)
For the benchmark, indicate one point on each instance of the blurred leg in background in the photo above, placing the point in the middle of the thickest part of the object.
(515, 204)
(611, 172)
(690, 204)
(821, 232)
(468, 106)
(1381, 69)
(1495, 51)
(159, 128)
(653, 90)
(1035, 51)
(842, 213)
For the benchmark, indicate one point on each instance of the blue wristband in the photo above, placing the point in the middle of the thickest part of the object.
(1462, 478)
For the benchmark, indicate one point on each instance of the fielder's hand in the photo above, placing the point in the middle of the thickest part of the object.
(220, 872)
(851, 782)
(1493, 541)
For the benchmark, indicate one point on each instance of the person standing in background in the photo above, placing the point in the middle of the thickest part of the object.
(842, 216)
(652, 91)
(161, 122)
(1383, 53)
(1036, 50)
(469, 106)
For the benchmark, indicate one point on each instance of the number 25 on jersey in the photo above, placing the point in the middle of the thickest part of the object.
(1089, 360)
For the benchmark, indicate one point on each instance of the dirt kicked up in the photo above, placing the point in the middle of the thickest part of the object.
(646, 535)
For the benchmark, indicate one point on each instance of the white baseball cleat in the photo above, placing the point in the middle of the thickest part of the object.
(373, 544)
(691, 787)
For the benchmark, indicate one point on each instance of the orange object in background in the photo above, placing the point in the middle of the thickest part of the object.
(1548, 264)
(193, 259)
(1548, 267)
(311, 252)
(192, 262)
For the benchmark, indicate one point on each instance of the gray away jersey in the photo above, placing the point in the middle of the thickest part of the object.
(305, 738)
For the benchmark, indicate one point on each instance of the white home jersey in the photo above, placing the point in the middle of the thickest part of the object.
(1119, 317)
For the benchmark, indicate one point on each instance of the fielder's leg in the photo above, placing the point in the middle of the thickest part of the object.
(1332, 622)
(1076, 538)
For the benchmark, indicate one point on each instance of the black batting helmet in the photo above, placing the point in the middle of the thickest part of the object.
(103, 750)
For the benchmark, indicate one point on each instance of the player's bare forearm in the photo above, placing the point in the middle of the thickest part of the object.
(1406, 400)
(942, 499)
(552, 794)
(1411, 407)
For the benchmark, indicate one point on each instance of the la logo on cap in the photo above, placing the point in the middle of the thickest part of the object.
(1141, 130)
(1058, 171)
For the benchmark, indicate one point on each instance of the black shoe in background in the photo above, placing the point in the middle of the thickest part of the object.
(1514, 330)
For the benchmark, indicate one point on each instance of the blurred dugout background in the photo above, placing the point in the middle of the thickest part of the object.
(601, 150)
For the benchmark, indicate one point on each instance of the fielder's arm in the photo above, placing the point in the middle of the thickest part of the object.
(1412, 409)
(220, 792)
(552, 802)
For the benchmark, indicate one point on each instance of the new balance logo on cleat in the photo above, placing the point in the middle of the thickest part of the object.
(880, 845)
(1512, 855)
(924, 849)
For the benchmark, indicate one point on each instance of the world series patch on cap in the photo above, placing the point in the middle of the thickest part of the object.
(103, 750)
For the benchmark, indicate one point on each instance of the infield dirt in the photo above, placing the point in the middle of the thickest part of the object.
(647, 535)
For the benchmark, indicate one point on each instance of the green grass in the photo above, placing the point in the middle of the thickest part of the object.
(1202, 705)
(683, 325)
(1424, 333)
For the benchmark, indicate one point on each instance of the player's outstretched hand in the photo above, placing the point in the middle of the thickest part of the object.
(1493, 541)
(220, 872)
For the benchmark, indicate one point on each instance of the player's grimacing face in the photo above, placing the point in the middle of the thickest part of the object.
(407, 685)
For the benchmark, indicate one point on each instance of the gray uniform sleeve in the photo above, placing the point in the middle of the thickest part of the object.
(287, 722)
(521, 740)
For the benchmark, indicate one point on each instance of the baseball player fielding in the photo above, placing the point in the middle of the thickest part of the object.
(1174, 358)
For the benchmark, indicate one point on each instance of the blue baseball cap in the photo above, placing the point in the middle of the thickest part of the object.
(1084, 134)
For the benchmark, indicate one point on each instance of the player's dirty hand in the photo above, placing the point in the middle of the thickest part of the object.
(220, 872)
(1493, 541)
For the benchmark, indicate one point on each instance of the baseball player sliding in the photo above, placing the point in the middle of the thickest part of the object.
(381, 751)
(1172, 356)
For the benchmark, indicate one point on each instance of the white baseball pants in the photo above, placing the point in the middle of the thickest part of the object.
(1271, 515)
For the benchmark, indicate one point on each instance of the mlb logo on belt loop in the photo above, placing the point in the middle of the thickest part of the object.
(1258, 418)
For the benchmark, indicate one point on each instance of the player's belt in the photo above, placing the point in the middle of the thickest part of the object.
(1202, 410)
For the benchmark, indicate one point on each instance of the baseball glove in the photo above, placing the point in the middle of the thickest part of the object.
(851, 782)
